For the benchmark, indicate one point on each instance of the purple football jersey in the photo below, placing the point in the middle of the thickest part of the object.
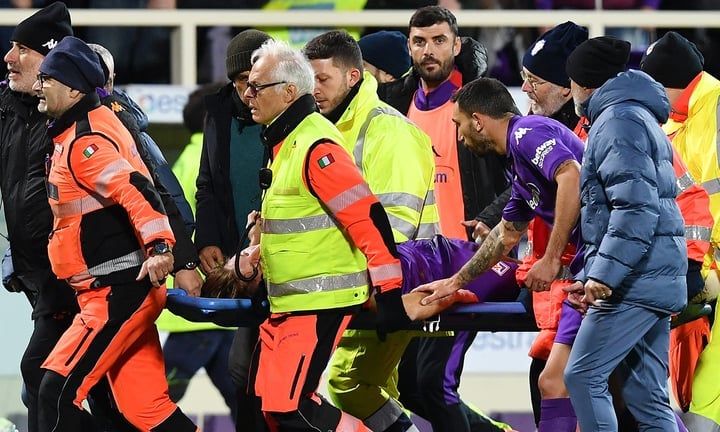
(428, 260)
(536, 147)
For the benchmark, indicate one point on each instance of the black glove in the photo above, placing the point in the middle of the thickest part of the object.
(13, 284)
(260, 303)
(391, 315)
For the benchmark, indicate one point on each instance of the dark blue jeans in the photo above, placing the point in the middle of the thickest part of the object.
(185, 353)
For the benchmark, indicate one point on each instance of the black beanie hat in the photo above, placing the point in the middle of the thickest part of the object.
(546, 57)
(241, 48)
(673, 61)
(387, 51)
(43, 30)
(74, 64)
(597, 60)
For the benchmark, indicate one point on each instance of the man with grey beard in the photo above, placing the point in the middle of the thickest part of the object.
(548, 87)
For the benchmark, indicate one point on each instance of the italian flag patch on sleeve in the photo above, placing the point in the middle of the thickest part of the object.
(326, 160)
(90, 150)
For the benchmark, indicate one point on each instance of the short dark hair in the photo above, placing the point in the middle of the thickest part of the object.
(486, 96)
(337, 45)
(429, 15)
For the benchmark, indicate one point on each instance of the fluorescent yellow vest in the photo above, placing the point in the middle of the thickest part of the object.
(186, 169)
(697, 140)
(307, 260)
(381, 139)
(297, 37)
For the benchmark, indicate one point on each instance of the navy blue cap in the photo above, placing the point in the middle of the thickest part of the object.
(546, 57)
(75, 64)
(386, 50)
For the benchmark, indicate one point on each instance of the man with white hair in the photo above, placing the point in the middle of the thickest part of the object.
(326, 243)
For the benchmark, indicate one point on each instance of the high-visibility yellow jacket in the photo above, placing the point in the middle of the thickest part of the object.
(694, 124)
(395, 157)
(307, 260)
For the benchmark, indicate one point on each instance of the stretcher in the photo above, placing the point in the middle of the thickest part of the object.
(488, 316)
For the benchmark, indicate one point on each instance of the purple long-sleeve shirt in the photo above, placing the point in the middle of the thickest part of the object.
(536, 147)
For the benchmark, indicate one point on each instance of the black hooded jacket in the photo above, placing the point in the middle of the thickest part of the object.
(24, 147)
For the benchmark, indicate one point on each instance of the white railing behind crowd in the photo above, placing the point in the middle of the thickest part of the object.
(184, 23)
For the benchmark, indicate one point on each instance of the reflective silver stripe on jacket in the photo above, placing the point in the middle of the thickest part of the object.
(711, 186)
(349, 197)
(696, 232)
(298, 225)
(402, 226)
(84, 205)
(154, 226)
(133, 259)
(103, 180)
(320, 283)
(696, 422)
(424, 231)
(385, 417)
(429, 198)
(385, 272)
(395, 199)
(428, 230)
(360, 141)
(717, 132)
(685, 181)
(410, 201)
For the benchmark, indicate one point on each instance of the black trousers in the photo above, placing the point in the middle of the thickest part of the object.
(249, 412)
(46, 332)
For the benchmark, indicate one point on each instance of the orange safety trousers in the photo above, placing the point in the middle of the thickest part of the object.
(294, 352)
(547, 305)
(114, 336)
(686, 344)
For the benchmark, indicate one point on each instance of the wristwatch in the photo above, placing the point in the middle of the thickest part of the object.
(160, 248)
(192, 265)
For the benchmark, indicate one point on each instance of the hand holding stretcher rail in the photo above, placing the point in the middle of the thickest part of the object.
(487, 304)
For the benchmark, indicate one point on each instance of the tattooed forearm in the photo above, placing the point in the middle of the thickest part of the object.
(515, 228)
(488, 255)
(498, 243)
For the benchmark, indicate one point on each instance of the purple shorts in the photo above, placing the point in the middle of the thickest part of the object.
(569, 324)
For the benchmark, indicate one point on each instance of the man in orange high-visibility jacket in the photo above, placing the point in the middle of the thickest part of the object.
(111, 241)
